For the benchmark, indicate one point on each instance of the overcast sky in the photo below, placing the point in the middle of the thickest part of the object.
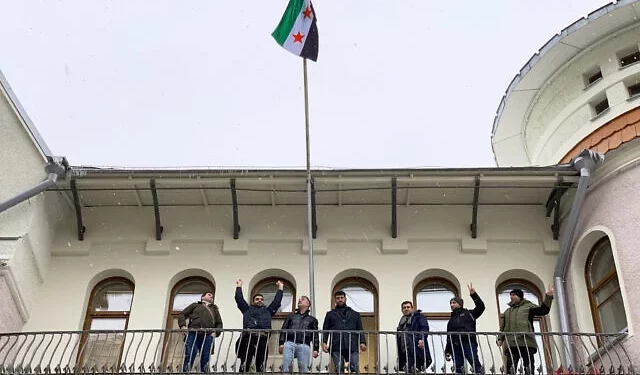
(398, 83)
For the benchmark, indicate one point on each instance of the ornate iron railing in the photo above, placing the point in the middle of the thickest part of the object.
(163, 351)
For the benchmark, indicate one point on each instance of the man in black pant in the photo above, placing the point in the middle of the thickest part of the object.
(255, 317)
(344, 346)
(516, 319)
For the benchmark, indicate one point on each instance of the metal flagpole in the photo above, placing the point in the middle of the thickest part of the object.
(312, 293)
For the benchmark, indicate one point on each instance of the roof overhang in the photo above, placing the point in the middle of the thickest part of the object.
(111, 187)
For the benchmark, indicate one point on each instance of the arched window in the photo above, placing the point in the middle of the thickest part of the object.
(267, 287)
(108, 309)
(184, 293)
(362, 296)
(605, 297)
(533, 294)
(432, 296)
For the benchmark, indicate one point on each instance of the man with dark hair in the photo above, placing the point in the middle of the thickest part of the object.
(413, 347)
(519, 318)
(463, 320)
(255, 316)
(202, 314)
(296, 343)
(344, 346)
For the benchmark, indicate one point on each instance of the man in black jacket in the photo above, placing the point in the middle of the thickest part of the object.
(413, 346)
(255, 316)
(201, 314)
(297, 341)
(344, 346)
(464, 345)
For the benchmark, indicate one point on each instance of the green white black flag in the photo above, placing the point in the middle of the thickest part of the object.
(297, 31)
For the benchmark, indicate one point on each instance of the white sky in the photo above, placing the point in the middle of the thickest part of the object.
(398, 83)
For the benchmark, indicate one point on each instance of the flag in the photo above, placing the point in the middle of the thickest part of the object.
(297, 31)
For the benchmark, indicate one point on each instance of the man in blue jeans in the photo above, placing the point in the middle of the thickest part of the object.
(204, 322)
(464, 344)
(299, 330)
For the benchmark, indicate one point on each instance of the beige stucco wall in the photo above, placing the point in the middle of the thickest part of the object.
(562, 115)
(610, 209)
(272, 238)
(26, 230)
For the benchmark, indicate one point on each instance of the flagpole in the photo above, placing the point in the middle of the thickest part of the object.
(312, 293)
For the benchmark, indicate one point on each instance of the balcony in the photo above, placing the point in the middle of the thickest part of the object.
(162, 351)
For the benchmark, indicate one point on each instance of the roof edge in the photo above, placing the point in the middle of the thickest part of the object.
(24, 117)
(546, 47)
(105, 172)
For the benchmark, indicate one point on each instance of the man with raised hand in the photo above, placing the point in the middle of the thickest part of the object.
(256, 316)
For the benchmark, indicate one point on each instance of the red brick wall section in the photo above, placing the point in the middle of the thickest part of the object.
(609, 136)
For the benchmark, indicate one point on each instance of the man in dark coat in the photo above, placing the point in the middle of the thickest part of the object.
(299, 330)
(413, 347)
(464, 345)
(201, 314)
(255, 316)
(344, 346)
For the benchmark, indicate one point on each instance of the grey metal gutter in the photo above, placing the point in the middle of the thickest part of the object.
(55, 168)
(106, 172)
(585, 162)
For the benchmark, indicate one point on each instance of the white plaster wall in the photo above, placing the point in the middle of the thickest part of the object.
(31, 222)
(610, 208)
(349, 238)
(560, 115)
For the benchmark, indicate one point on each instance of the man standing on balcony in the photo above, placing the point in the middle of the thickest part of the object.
(203, 317)
(519, 318)
(297, 343)
(256, 316)
(413, 347)
(464, 345)
(344, 346)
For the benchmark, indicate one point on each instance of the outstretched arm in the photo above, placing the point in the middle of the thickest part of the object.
(546, 305)
(242, 304)
(277, 300)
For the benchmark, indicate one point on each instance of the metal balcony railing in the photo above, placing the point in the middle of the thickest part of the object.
(163, 351)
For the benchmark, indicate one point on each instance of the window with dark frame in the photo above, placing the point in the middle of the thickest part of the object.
(594, 77)
(605, 296)
(533, 294)
(629, 59)
(184, 293)
(601, 106)
(267, 287)
(634, 90)
(432, 296)
(362, 296)
(108, 309)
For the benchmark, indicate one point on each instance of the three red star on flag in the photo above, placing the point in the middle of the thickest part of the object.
(297, 38)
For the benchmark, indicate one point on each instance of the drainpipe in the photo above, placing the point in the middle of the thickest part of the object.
(56, 167)
(585, 162)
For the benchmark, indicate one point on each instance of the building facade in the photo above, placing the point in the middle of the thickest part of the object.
(126, 249)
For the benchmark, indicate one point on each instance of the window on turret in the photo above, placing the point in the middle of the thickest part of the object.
(601, 106)
(634, 90)
(592, 76)
(629, 57)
